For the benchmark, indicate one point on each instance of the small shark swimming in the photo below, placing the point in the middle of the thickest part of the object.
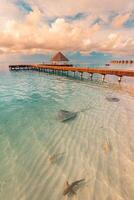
(70, 188)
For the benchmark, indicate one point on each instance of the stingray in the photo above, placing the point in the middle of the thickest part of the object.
(64, 115)
(112, 99)
(70, 188)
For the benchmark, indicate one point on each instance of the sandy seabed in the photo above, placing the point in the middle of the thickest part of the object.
(38, 153)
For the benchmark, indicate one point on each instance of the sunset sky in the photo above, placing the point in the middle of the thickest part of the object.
(85, 30)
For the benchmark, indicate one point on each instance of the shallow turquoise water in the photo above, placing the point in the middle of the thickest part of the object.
(97, 145)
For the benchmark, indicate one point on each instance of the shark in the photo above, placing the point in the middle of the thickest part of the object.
(70, 188)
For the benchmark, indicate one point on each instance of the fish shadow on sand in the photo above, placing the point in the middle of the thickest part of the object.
(56, 158)
(71, 189)
(112, 99)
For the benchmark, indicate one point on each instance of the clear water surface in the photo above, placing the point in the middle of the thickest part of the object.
(38, 153)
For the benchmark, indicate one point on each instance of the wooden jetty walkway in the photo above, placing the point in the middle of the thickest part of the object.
(66, 68)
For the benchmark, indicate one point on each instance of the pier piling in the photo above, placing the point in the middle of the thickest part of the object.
(81, 75)
(119, 79)
(91, 76)
(103, 77)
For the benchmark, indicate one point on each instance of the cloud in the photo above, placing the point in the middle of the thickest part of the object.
(30, 32)
(70, 7)
(121, 43)
(120, 20)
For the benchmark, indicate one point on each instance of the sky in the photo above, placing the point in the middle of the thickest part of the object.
(87, 31)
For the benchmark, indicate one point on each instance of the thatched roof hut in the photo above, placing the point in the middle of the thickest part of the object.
(59, 58)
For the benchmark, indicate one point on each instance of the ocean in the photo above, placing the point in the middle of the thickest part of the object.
(39, 153)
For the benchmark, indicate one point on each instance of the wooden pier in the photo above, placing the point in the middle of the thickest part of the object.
(66, 68)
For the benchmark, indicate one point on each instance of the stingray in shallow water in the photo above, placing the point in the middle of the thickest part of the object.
(70, 188)
(112, 99)
(64, 115)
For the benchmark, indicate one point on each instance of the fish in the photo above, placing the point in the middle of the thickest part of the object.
(70, 187)
(64, 115)
(107, 147)
(56, 156)
(112, 99)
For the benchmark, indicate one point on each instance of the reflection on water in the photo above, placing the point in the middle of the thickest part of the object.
(39, 154)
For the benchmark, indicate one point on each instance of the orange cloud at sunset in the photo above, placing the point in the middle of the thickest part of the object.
(120, 20)
(50, 26)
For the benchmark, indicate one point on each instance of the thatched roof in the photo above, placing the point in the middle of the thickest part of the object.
(59, 57)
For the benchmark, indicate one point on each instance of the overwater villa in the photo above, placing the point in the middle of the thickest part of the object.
(59, 59)
(122, 61)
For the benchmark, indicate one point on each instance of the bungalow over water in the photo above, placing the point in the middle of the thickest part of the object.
(125, 62)
(59, 60)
